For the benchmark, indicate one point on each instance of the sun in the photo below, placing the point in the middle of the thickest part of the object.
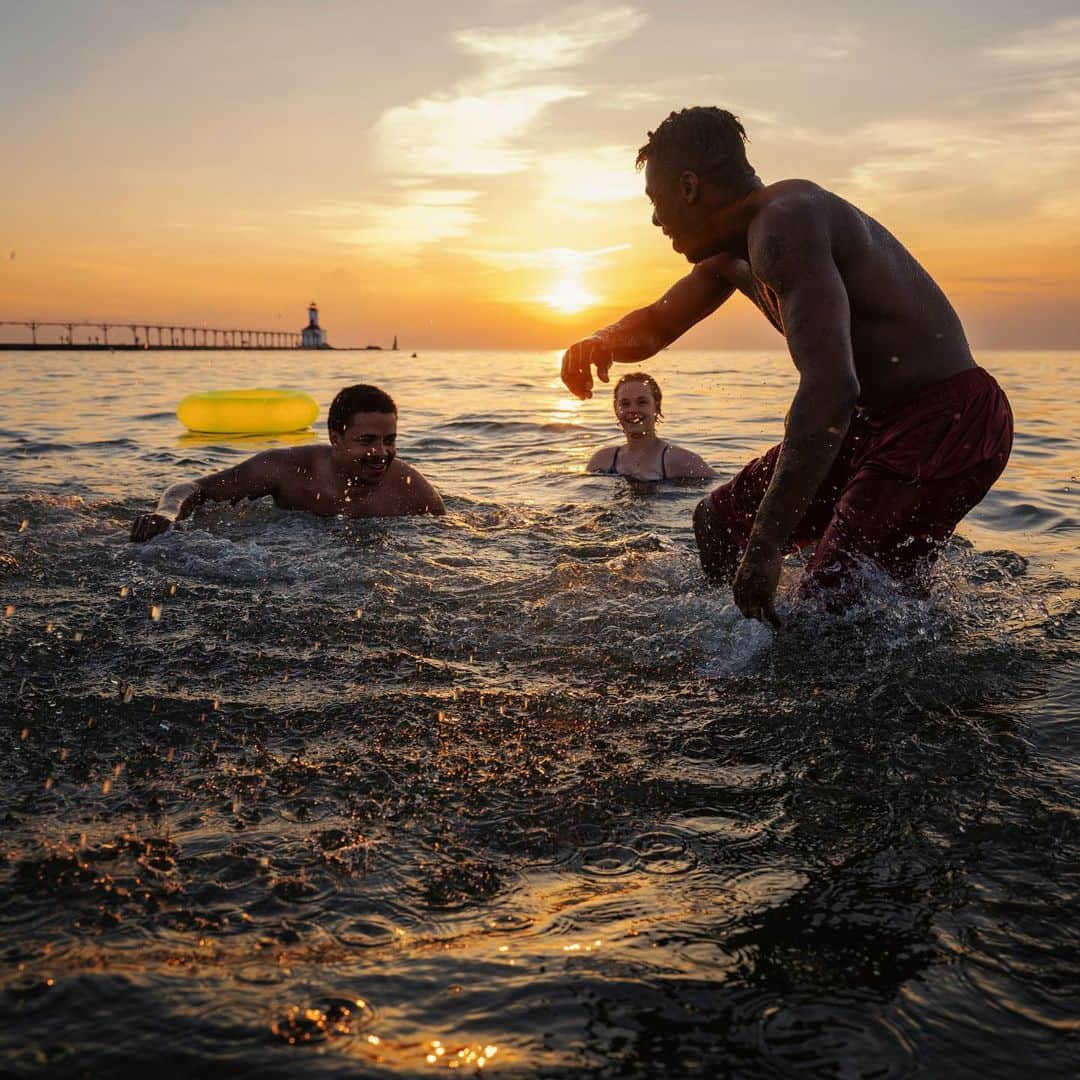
(569, 295)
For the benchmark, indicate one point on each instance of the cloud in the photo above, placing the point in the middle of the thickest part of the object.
(1057, 43)
(830, 45)
(468, 135)
(1008, 158)
(422, 216)
(482, 127)
(548, 46)
(593, 177)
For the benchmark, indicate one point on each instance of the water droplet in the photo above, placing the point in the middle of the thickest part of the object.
(24, 525)
(155, 612)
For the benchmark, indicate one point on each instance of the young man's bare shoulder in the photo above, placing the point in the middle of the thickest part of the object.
(789, 202)
(794, 217)
(306, 458)
(417, 493)
(403, 472)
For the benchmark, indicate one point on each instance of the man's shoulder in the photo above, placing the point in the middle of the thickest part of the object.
(793, 217)
(288, 461)
(790, 202)
(400, 469)
(415, 494)
(403, 474)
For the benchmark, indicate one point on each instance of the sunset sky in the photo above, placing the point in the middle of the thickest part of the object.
(462, 175)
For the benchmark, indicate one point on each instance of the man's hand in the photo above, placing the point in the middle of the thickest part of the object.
(148, 525)
(756, 581)
(578, 361)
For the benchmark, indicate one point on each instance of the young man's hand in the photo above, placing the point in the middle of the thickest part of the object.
(755, 583)
(578, 361)
(148, 525)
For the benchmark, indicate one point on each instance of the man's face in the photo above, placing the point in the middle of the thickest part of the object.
(669, 207)
(367, 446)
(682, 211)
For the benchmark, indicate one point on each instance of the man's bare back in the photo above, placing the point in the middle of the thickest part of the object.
(904, 332)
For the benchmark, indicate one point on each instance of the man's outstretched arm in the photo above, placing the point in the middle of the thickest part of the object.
(644, 332)
(249, 480)
(790, 254)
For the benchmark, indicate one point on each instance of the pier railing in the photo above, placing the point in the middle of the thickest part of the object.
(141, 335)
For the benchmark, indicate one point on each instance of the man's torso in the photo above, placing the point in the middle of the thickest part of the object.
(307, 481)
(904, 332)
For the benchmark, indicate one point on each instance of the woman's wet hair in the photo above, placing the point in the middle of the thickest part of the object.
(705, 139)
(648, 380)
(354, 399)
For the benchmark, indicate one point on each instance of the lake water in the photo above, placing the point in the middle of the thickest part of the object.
(513, 790)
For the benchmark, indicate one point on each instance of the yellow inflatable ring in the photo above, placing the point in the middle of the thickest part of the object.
(247, 412)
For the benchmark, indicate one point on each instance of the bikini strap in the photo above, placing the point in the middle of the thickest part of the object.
(613, 467)
(663, 461)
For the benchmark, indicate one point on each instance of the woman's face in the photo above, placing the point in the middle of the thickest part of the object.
(635, 408)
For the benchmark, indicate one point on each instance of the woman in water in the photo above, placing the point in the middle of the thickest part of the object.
(645, 456)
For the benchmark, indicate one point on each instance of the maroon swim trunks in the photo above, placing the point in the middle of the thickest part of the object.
(901, 482)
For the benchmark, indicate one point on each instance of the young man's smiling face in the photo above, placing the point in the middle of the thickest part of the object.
(671, 212)
(367, 447)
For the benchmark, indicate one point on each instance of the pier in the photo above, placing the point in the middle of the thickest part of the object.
(143, 335)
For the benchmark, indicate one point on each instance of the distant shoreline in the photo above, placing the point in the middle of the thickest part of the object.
(8, 347)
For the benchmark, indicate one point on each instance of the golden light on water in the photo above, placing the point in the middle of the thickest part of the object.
(475, 1056)
(565, 409)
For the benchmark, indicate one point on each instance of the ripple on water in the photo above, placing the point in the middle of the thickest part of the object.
(605, 860)
(664, 854)
(322, 1019)
(369, 933)
(848, 1040)
(508, 922)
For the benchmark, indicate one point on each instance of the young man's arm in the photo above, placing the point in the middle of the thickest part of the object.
(644, 332)
(790, 253)
(251, 479)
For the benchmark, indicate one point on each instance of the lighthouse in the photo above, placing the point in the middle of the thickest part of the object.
(313, 336)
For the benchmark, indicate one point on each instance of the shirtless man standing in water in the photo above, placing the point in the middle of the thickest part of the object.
(357, 475)
(894, 433)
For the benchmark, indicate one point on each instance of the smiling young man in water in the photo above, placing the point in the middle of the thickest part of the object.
(357, 475)
(894, 433)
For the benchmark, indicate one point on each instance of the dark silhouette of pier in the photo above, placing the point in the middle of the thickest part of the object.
(142, 336)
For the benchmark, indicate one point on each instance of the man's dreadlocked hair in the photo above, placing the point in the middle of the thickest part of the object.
(704, 139)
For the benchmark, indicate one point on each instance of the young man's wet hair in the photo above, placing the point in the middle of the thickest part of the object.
(354, 399)
(705, 139)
